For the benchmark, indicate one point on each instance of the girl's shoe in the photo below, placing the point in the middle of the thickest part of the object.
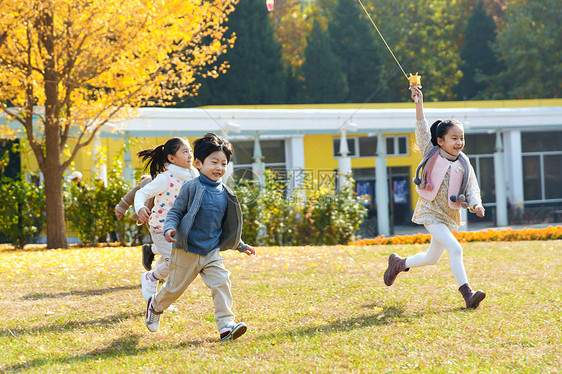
(396, 264)
(471, 298)
(147, 256)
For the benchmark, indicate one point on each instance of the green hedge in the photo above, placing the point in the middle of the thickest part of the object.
(22, 211)
(309, 215)
(90, 211)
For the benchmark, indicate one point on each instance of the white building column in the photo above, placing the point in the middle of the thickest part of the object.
(258, 167)
(501, 195)
(513, 162)
(381, 190)
(226, 128)
(344, 161)
(294, 151)
(128, 171)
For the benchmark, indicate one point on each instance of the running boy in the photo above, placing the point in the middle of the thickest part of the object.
(205, 219)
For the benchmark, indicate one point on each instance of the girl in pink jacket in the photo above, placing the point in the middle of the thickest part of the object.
(447, 183)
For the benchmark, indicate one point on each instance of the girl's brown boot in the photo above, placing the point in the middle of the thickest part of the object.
(471, 298)
(396, 264)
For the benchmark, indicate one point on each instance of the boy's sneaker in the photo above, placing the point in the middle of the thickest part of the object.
(149, 287)
(147, 256)
(152, 317)
(232, 332)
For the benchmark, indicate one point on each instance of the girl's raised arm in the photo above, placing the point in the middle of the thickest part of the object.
(416, 93)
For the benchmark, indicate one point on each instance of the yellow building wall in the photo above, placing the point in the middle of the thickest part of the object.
(28, 160)
(409, 105)
(318, 152)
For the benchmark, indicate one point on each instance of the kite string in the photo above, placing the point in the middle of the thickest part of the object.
(382, 37)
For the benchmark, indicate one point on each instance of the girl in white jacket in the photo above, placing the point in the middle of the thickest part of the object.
(170, 167)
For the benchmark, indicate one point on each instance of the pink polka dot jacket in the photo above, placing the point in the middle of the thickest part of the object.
(164, 188)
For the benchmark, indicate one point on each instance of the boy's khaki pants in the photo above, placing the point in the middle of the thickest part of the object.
(184, 268)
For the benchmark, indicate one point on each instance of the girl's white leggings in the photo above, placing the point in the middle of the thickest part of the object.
(160, 246)
(441, 239)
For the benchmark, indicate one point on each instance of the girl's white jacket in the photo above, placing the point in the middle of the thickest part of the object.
(161, 184)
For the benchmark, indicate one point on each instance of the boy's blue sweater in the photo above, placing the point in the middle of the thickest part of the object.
(207, 226)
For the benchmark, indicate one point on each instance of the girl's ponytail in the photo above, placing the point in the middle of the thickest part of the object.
(433, 130)
(157, 158)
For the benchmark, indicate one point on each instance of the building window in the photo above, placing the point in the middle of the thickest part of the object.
(366, 146)
(531, 177)
(389, 146)
(480, 151)
(552, 176)
(273, 152)
(541, 141)
(351, 145)
(484, 169)
(396, 145)
(478, 144)
(542, 165)
(402, 145)
(243, 152)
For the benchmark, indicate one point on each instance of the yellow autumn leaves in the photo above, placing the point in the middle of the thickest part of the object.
(102, 54)
(64, 262)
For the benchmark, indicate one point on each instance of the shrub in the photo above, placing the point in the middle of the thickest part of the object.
(22, 211)
(308, 216)
(335, 216)
(90, 209)
(247, 191)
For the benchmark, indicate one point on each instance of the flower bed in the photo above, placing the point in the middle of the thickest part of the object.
(506, 235)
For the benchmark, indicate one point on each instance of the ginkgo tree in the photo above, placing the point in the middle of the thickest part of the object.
(67, 67)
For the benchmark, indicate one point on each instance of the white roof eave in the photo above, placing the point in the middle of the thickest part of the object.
(197, 121)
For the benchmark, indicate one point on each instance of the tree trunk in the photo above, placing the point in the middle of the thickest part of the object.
(52, 168)
(52, 171)
(56, 227)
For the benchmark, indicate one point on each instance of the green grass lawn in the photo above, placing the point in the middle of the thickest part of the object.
(309, 309)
